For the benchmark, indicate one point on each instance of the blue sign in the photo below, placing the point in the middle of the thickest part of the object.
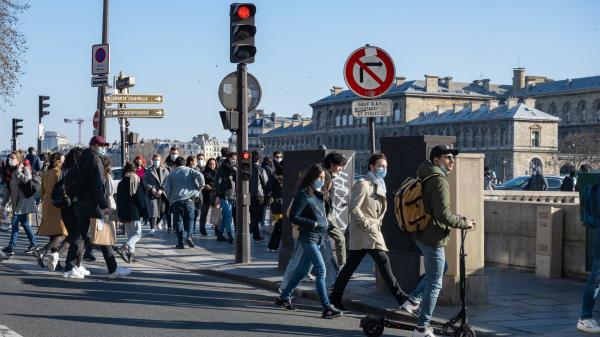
(100, 55)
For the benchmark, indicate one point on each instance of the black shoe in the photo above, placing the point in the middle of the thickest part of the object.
(3, 256)
(40, 258)
(190, 242)
(338, 304)
(221, 238)
(123, 253)
(31, 249)
(286, 304)
(8, 251)
(203, 232)
(89, 257)
(180, 246)
(331, 312)
(230, 238)
(258, 239)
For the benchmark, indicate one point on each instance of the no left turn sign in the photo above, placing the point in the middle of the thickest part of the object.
(369, 71)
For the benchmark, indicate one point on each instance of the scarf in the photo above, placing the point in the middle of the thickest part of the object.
(378, 181)
(134, 182)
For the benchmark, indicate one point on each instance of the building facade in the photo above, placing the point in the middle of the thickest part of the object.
(54, 141)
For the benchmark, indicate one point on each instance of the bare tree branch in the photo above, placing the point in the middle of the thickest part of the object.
(12, 48)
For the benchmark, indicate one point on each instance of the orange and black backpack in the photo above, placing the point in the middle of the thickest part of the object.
(409, 207)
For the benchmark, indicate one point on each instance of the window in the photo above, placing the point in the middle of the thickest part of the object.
(598, 111)
(535, 138)
(350, 120)
(337, 121)
(397, 112)
(552, 109)
(378, 120)
(343, 119)
(566, 111)
(475, 139)
(581, 111)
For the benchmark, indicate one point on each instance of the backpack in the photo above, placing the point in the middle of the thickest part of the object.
(591, 213)
(31, 187)
(409, 207)
(61, 196)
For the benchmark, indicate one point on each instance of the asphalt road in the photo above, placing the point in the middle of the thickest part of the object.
(156, 300)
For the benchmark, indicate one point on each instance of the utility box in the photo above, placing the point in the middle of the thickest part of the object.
(548, 241)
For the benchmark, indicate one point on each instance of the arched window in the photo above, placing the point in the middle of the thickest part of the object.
(475, 138)
(493, 138)
(566, 112)
(317, 119)
(484, 135)
(597, 106)
(467, 139)
(552, 109)
(397, 114)
(350, 118)
(581, 111)
(504, 137)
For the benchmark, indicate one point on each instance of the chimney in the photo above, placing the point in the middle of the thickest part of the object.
(512, 102)
(475, 105)
(529, 102)
(447, 81)
(431, 83)
(518, 79)
(485, 83)
(335, 90)
(454, 109)
(493, 104)
(400, 80)
(440, 110)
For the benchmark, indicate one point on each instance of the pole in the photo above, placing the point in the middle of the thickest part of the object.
(372, 134)
(242, 244)
(39, 137)
(101, 89)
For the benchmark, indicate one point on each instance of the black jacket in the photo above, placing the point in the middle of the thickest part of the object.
(275, 184)
(130, 207)
(209, 184)
(225, 180)
(89, 187)
(308, 212)
(258, 183)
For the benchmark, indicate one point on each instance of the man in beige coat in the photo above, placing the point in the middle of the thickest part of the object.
(368, 205)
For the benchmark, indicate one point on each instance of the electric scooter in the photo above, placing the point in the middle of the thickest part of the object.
(373, 325)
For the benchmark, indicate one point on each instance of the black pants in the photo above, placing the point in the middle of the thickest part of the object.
(276, 236)
(257, 213)
(203, 216)
(383, 262)
(83, 214)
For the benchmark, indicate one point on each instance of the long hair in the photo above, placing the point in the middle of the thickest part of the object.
(140, 157)
(106, 163)
(54, 158)
(128, 168)
(72, 158)
(207, 166)
(306, 183)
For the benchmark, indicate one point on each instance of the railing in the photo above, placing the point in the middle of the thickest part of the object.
(534, 196)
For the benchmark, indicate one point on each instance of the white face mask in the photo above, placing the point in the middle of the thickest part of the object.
(278, 160)
(174, 156)
(12, 162)
(157, 163)
(202, 162)
(102, 151)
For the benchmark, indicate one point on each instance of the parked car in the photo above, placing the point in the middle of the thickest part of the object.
(117, 173)
(518, 183)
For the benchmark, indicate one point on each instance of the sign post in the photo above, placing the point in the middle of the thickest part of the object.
(369, 72)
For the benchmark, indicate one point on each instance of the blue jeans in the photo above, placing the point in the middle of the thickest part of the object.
(23, 219)
(590, 292)
(183, 215)
(226, 216)
(134, 234)
(311, 256)
(331, 266)
(428, 290)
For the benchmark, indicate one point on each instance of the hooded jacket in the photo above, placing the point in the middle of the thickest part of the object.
(436, 197)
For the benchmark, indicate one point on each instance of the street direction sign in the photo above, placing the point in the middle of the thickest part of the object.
(372, 108)
(134, 113)
(100, 59)
(96, 120)
(134, 99)
(228, 92)
(369, 72)
(100, 81)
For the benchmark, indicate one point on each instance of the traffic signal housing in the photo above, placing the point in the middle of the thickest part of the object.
(16, 125)
(246, 165)
(242, 31)
(42, 106)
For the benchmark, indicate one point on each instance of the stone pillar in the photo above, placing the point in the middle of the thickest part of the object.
(466, 199)
(548, 241)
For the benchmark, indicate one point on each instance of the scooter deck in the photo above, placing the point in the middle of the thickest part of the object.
(401, 325)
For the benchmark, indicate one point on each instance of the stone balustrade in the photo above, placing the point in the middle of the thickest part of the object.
(551, 197)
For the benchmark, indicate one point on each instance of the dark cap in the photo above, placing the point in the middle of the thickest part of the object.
(98, 140)
(440, 150)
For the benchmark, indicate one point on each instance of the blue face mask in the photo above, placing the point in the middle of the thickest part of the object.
(318, 184)
(102, 151)
(381, 172)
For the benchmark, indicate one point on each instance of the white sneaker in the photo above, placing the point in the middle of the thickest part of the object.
(52, 261)
(309, 278)
(160, 226)
(152, 231)
(411, 308)
(120, 272)
(83, 270)
(588, 325)
(427, 333)
(73, 273)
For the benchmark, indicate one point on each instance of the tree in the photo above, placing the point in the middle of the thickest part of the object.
(12, 48)
(582, 147)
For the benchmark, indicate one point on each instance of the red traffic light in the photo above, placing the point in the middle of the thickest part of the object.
(245, 155)
(244, 12)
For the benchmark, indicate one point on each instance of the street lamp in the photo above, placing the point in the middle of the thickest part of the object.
(503, 170)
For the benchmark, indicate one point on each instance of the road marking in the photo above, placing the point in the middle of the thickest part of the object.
(6, 332)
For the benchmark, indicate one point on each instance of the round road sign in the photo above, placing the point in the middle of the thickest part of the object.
(100, 55)
(228, 92)
(369, 72)
(96, 120)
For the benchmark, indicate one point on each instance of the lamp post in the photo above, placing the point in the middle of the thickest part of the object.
(503, 170)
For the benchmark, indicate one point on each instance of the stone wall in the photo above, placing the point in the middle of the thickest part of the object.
(558, 104)
(510, 228)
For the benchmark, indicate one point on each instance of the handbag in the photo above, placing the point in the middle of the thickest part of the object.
(102, 232)
(112, 205)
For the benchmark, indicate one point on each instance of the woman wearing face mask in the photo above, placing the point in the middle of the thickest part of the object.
(140, 166)
(308, 212)
(154, 180)
(208, 197)
(367, 207)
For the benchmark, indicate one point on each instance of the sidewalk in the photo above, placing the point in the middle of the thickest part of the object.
(520, 303)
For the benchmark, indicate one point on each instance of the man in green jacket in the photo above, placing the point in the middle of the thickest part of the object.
(433, 239)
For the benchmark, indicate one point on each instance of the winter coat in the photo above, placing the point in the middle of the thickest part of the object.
(154, 178)
(19, 203)
(537, 183)
(225, 180)
(368, 204)
(52, 223)
(35, 162)
(258, 184)
(209, 181)
(130, 207)
(90, 185)
(308, 212)
(436, 197)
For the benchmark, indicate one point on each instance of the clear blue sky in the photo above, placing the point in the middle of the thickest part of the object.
(181, 49)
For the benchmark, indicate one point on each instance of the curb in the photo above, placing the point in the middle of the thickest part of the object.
(312, 295)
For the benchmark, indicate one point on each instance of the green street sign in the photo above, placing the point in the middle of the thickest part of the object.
(134, 113)
(133, 99)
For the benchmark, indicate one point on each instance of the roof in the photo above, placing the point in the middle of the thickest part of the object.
(289, 129)
(484, 114)
(418, 87)
(562, 86)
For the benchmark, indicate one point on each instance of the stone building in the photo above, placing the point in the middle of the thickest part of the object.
(209, 146)
(53, 141)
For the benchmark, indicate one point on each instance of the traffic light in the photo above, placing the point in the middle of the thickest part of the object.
(43, 105)
(16, 126)
(246, 165)
(230, 119)
(242, 29)
(125, 82)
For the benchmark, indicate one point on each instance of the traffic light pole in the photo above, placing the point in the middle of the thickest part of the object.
(371, 121)
(242, 246)
(102, 89)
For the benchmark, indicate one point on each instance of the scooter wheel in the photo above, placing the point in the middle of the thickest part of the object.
(465, 331)
(373, 328)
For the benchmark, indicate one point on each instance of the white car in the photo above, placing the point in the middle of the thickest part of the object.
(117, 173)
